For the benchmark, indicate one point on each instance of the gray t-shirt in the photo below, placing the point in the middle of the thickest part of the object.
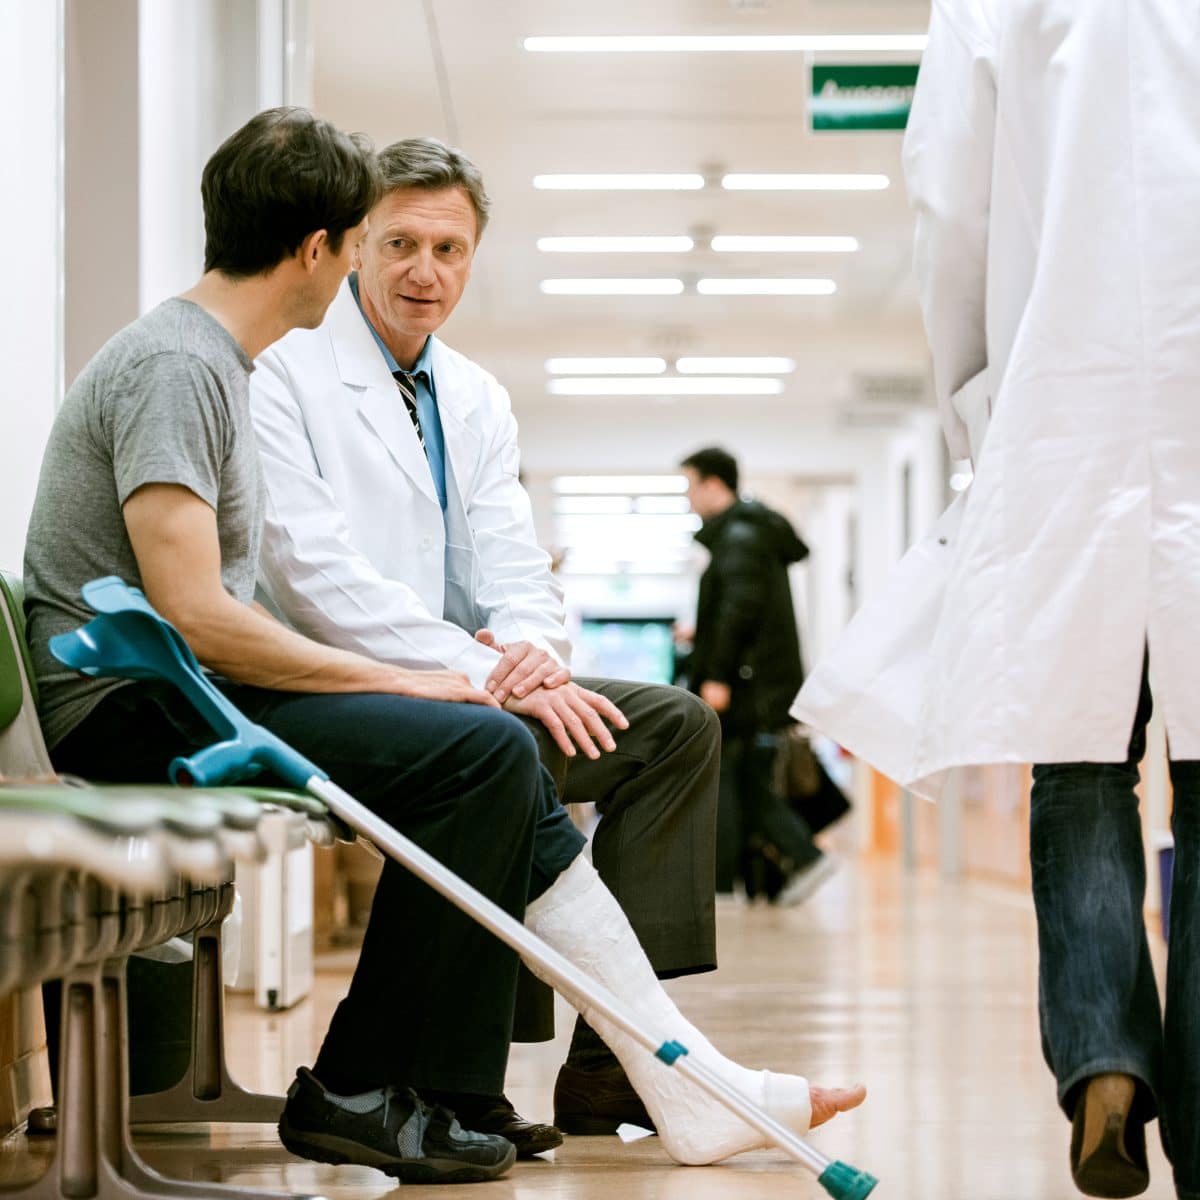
(165, 401)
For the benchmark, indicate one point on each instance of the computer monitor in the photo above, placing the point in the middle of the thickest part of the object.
(638, 648)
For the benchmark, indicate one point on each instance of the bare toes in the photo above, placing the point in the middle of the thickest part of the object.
(828, 1102)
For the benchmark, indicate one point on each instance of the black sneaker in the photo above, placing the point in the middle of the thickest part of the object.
(391, 1129)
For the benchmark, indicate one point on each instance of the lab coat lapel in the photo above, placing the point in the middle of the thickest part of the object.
(365, 375)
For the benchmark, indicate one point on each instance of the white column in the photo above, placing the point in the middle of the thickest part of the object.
(31, 329)
(101, 182)
(204, 68)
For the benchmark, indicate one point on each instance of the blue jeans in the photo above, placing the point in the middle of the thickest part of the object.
(1098, 1000)
(431, 1001)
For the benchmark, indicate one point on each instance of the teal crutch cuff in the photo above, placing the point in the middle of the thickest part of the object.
(127, 639)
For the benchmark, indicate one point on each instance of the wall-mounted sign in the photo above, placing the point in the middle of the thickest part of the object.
(861, 96)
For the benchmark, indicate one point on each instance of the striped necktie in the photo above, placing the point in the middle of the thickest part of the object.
(406, 381)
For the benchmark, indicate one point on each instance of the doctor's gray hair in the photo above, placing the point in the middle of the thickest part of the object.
(428, 163)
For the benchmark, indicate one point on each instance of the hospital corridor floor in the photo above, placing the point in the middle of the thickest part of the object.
(923, 989)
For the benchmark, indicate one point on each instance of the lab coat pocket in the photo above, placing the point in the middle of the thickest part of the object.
(973, 404)
(868, 693)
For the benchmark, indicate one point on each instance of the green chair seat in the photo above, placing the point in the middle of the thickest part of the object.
(11, 697)
(131, 817)
(113, 809)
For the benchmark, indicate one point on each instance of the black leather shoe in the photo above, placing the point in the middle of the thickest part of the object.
(591, 1103)
(1108, 1139)
(42, 1122)
(529, 1137)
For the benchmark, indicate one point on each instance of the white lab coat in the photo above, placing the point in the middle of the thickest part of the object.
(1053, 158)
(356, 553)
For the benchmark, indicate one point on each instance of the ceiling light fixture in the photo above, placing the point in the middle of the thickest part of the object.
(731, 244)
(611, 287)
(837, 43)
(629, 182)
(785, 182)
(620, 485)
(576, 506)
(735, 366)
(668, 385)
(766, 287)
(606, 366)
(662, 504)
(614, 245)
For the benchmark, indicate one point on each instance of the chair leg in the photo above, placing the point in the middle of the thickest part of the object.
(94, 1157)
(207, 1092)
(132, 1175)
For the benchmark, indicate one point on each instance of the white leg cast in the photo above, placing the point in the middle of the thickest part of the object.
(579, 918)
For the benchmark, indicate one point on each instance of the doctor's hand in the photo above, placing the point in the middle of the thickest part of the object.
(523, 667)
(573, 715)
(442, 685)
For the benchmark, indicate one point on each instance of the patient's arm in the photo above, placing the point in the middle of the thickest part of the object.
(174, 537)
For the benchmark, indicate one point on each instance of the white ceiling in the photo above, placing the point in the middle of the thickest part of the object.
(457, 69)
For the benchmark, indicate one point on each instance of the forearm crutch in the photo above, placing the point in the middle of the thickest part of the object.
(129, 640)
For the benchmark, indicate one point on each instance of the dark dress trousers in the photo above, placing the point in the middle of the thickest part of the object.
(655, 843)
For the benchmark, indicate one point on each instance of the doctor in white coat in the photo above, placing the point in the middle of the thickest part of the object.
(397, 527)
(1053, 158)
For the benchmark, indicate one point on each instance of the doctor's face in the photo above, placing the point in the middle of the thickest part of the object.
(414, 264)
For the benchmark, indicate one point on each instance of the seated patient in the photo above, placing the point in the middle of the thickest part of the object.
(151, 473)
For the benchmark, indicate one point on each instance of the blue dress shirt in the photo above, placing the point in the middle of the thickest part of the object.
(426, 392)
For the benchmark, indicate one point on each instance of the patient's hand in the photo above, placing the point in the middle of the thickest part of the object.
(573, 715)
(443, 685)
(522, 668)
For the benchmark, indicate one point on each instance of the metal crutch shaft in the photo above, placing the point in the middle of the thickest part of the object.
(510, 931)
(128, 639)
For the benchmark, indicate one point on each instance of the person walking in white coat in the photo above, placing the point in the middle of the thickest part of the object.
(1053, 159)
(397, 527)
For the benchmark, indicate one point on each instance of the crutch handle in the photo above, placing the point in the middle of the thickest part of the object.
(250, 752)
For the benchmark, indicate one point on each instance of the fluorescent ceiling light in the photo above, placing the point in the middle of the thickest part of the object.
(666, 385)
(726, 243)
(606, 366)
(608, 485)
(660, 526)
(785, 182)
(612, 287)
(710, 43)
(766, 287)
(580, 506)
(614, 245)
(735, 366)
(654, 505)
(637, 182)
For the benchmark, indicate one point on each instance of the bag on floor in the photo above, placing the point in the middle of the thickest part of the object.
(805, 784)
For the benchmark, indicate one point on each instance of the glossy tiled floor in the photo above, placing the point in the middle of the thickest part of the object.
(925, 990)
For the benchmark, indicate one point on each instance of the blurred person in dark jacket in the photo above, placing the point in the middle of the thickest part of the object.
(745, 662)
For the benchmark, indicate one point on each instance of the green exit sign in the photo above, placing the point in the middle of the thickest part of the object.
(862, 96)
